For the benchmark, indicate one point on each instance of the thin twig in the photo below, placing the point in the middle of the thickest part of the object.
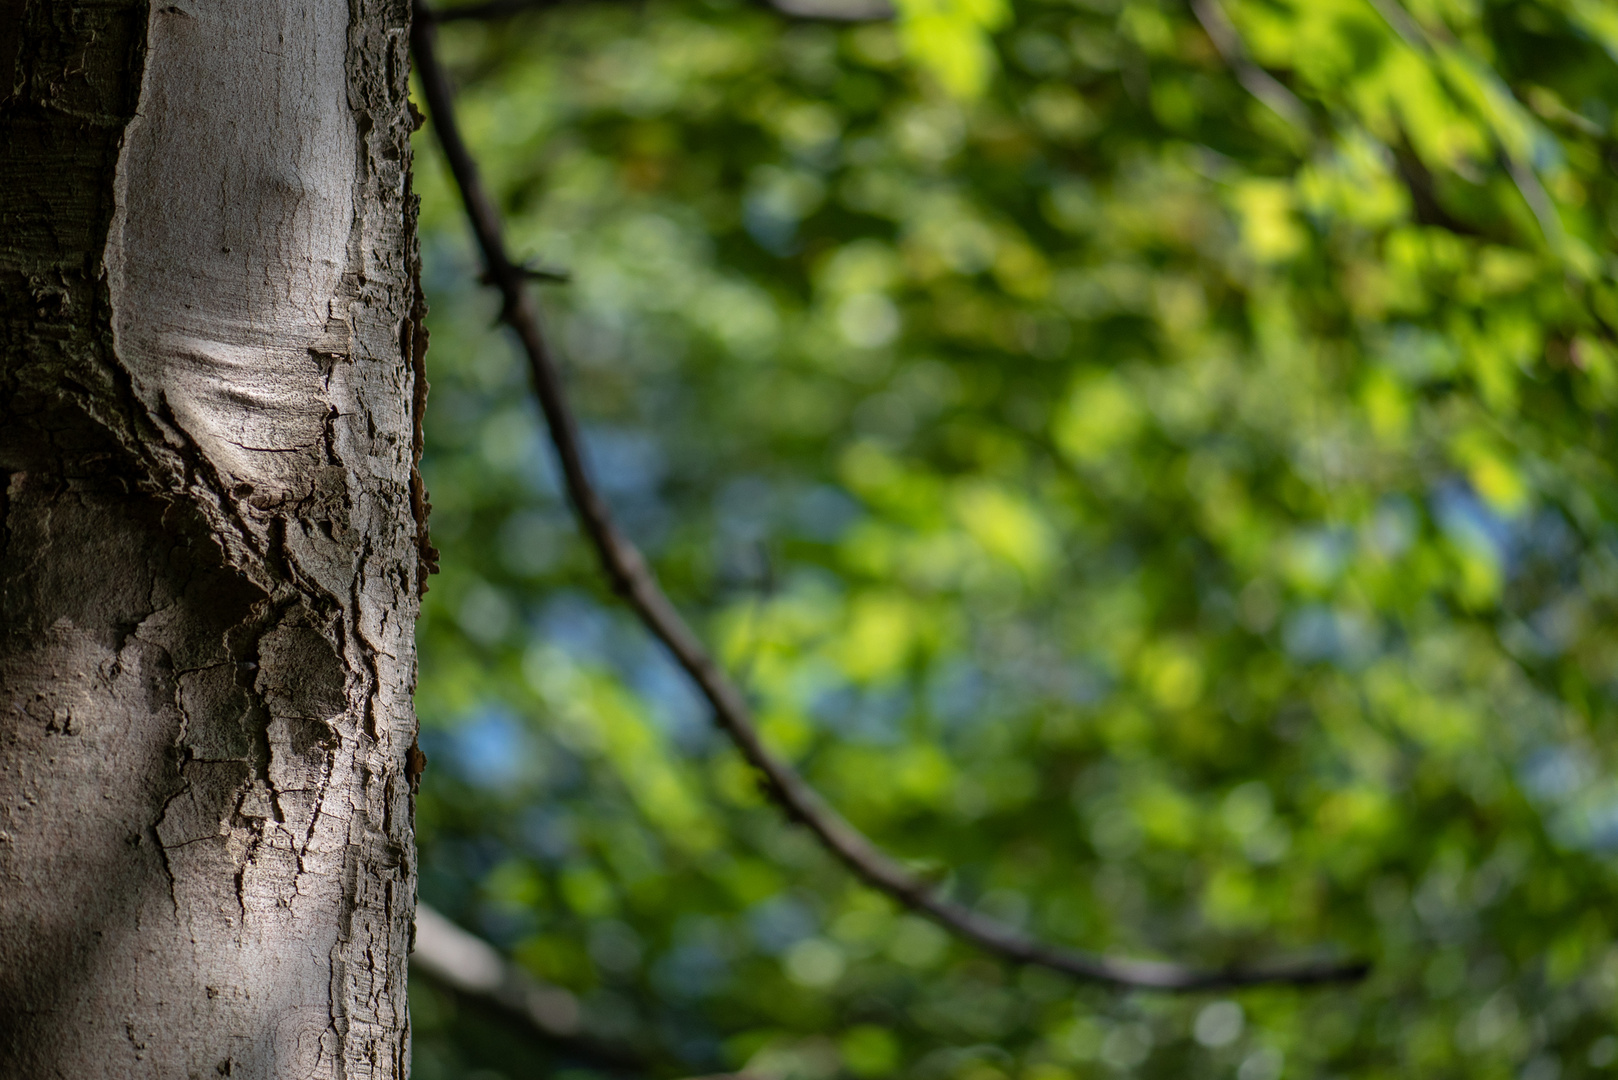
(633, 579)
(1258, 82)
(1520, 170)
(535, 273)
(1424, 202)
(836, 10)
(1539, 201)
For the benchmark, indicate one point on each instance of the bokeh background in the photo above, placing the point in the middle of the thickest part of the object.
(1152, 466)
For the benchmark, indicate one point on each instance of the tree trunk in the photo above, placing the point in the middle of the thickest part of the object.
(211, 538)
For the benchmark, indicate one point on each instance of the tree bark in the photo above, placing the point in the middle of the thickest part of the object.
(211, 538)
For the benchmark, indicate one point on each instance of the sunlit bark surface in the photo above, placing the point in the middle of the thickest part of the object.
(209, 353)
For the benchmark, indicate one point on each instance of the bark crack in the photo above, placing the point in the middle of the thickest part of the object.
(209, 432)
(156, 841)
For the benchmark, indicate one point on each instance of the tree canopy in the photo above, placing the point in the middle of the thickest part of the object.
(1150, 465)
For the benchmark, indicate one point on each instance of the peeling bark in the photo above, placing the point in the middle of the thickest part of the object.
(212, 538)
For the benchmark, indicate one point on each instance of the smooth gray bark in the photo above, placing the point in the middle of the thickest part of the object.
(211, 538)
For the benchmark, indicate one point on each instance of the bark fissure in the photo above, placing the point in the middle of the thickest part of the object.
(213, 533)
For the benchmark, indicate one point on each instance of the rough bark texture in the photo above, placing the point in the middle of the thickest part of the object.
(210, 538)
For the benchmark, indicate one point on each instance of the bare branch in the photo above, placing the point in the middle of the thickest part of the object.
(468, 964)
(836, 10)
(472, 967)
(1258, 82)
(818, 10)
(1424, 202)
(487, 11)
(1521, 171)
(534, 273)
(633, 579)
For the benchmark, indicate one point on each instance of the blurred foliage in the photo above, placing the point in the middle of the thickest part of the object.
(1188, 523)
